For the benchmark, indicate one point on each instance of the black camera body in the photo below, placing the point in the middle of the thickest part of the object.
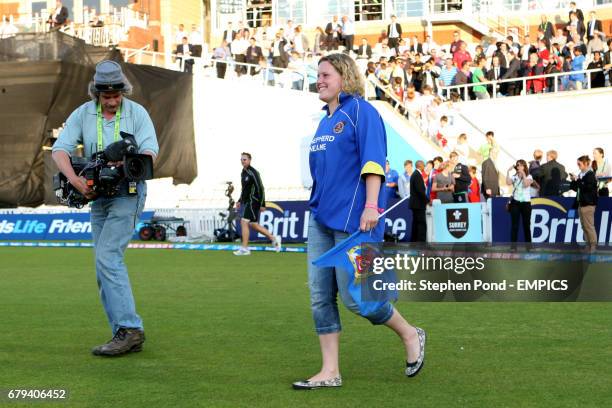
(102, 175)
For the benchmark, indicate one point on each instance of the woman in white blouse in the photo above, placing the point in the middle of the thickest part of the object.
(520, 202)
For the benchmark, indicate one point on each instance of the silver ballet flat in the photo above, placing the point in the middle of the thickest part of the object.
(311, 385)
(413, 369)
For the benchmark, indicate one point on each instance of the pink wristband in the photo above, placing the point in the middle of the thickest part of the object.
(374, 207)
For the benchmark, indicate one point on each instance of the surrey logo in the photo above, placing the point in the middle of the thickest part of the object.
(457, 221)
(339, 127)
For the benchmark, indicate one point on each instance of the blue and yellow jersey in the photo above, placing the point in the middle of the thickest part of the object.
(349, 144)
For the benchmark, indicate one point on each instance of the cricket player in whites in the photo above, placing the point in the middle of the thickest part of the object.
(252, 201)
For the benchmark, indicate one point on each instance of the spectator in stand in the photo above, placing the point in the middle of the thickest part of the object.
(448, 72)
(534, 165)
(595, 44)
(184, 53)
(546, 27)
(429, 77)
(573, 9)
(332, 32)
(461, 174)
(456, 44)
(404, 46)
(300, 42)
(196, 40)
(478, 77)
(415, 46)
(58, 18)
(461, 55)
(403, 183)
(560, 38)
(463, 78)
(443, 184)
(490, 179)
(385, 51)
(398, 89)
(319, 41)
(479, 53)
(391, 178)
(394, 34)
(280, 57)
(552, 175)
(429, 45)
(576, 80)
(7, 29)
(602, 168)
(527, 49)
(462, 148)
(222, 55)
(474, 189)
(253, 54)
(495, 74)
(585, 185)
(513, 71)
(535, 68)
(551, 66)
(239, 47)
(96, 22)
(543, 50)
(489, 148)
(348, 34)
(440, 135)
(598, 79)
(594, 27)
(229, 34)
(364, 51)
(520, 202)
(178, 38)
(418, 204)
(409, 76)
(576, 25)
(432, 170)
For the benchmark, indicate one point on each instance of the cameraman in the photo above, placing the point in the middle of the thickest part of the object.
(95, 125)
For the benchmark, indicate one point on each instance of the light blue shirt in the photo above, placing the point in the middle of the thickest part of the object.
(81, 128)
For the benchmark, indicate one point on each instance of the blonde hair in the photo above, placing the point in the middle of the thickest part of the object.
(352, 80)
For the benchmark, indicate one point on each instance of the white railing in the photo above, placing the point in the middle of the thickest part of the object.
(463, 90)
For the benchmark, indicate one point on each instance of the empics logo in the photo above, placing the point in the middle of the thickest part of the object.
(457, 221)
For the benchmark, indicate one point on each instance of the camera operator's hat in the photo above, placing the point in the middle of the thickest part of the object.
(109, 77)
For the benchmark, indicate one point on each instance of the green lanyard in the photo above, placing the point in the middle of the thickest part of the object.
(117, 120)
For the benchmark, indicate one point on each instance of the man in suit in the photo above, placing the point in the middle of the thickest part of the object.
(253, 53)
(495, 73)
(490, 179)
(394, 34)
(576, 25)
(552, 174)
(418, 203)
(546, 27)
(229, 35)
(333, 30)
(575, 9)
(184, 52)
(415, 46)
(59, 16)
(594, 26)
(364, 51)
(280, 58)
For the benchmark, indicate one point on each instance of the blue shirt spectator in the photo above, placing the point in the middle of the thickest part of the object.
(391, 179)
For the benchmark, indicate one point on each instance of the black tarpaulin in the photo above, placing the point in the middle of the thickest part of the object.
(43, 78)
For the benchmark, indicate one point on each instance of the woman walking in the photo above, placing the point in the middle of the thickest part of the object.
(347, 160)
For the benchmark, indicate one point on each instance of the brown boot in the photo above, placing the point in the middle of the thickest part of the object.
(124, 341)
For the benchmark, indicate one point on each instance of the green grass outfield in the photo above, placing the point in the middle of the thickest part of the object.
(225, 331)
